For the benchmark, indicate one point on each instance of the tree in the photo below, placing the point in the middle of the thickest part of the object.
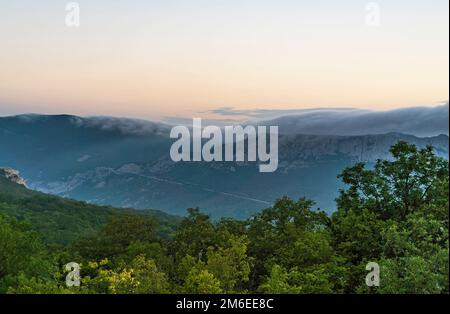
(194, 235)
(115, 237)
(230, 264)
(413, 274)
(22, 254)
(279, 282)
(201, 281)
(396, 214)
(275, 230)
(398, 187)
(146, 278)
(141, 276)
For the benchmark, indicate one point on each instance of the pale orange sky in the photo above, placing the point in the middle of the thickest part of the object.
(152, 59)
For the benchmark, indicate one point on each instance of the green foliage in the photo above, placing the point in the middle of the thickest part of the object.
(201, 281)
(230, 264)
(194, 234)
(414, 274)
(61, 221)
(115, 237)
(394, 189)
(21, 254)
(280, 282)
(395, 214)
(141, 276)
(279, 235)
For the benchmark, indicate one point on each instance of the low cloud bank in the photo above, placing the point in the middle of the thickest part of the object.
(418, 121)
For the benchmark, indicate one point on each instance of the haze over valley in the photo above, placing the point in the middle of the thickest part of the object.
(126, 162)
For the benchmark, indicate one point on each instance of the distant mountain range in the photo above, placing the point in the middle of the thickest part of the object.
(126, 163)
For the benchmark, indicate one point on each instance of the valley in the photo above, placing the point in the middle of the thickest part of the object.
(126, 163)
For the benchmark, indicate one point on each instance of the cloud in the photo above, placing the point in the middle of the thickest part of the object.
(418, 121)
(127, 126)
(123, 125)
(264, 114)
(205, 122)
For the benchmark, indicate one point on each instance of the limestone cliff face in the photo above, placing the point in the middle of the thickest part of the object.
(13, 176)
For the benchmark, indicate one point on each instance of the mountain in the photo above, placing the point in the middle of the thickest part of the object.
(126, 163)
(59, 220)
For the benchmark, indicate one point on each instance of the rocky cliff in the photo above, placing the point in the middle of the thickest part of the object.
(13, 176)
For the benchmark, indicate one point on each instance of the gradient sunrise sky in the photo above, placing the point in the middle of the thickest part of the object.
(152, 59)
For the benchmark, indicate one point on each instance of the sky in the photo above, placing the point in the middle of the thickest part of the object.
(184, 58)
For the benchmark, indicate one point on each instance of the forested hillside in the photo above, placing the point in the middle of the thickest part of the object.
(61, 221)
(395, 214)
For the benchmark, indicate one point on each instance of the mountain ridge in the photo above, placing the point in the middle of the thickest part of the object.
(131, 167)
